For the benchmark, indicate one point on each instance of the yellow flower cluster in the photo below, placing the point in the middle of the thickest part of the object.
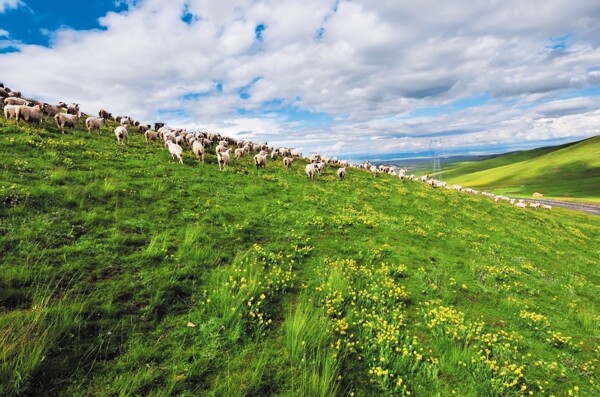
(259, 277)
(534, 320)
(367, 307)
(557, 339)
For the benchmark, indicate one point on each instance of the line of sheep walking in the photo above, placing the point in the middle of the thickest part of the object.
(175, 140)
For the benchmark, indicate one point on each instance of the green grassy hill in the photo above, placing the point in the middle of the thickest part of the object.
(125, 273)
(569, 172)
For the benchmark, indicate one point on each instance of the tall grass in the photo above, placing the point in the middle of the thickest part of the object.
(29, 334)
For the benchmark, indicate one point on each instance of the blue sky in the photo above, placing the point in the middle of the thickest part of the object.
(356, 79)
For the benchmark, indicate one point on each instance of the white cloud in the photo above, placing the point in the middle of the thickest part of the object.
(367, 64)
(8, 4)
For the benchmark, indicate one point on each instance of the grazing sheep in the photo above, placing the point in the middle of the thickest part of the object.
(260, 160)
(373, 170)
(122, 134)
(341, 172)
(94, 122)
(520, 205)
(175, 150)
(104, 114)
(3, 93)
(73, 108)
(51, 110)
(311, 170)
(66, 120)
(239, 153)
(150, 136)
(168, 136)
(142, 128)
(15, 101)
(287, 162)
(534, 205)
(10, 111)
(31, 114)
(223, 158)
(547, 207)
(319, 166)
(221, 147)
(198, 149)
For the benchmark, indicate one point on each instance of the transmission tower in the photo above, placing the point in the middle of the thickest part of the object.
(435, 148)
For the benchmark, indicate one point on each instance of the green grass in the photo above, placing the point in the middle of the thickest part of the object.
(125, 273)
(567, 172)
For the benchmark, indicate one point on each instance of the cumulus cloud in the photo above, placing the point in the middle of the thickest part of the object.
(389, 76)
(8, 4)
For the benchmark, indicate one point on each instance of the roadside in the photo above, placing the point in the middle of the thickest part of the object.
(591, 208)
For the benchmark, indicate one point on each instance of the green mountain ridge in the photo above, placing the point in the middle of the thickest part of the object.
(566, 172)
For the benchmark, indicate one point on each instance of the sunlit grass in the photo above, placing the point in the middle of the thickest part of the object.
(126, 273)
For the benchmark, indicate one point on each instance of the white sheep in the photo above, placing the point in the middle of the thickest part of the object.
(319, 166)
(122, 134)
(239, 153)
(341, 172)
(223, 158)
(10, 111)
(15, 101)
(66, 120)
(31, 114)
(175, 150)
(311, 170)
(373, 170)
(547, 207)
(260, 160)
(221, 147)
(94, 122)
(287, 162)
(535, 206)
(520, 205)
(198, 149)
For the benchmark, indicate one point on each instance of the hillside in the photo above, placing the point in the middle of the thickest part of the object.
(566, 172)
(126, 273)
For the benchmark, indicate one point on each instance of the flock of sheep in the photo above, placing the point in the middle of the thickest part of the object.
(176, 140)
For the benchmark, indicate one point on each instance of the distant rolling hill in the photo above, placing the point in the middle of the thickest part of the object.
(566, 172)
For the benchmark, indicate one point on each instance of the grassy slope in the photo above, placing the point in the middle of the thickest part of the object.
(570, 171)
(365, 286)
